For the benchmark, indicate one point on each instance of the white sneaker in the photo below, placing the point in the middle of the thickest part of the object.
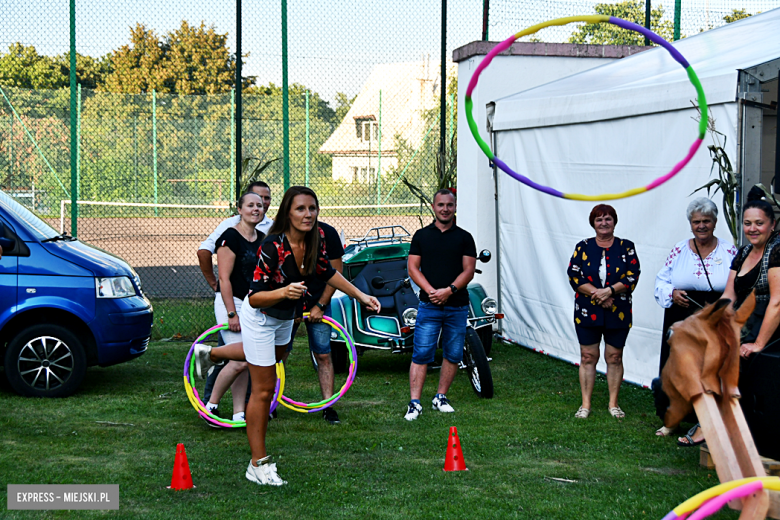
(203, 363)
(264, 473)
(413, 412)
(442, 404)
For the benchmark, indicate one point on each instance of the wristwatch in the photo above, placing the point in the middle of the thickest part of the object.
(232, 314)
(321, 306)
(453, 289)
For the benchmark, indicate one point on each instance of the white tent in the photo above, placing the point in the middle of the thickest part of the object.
(608, 129)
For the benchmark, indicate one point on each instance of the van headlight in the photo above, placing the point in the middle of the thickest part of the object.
(114, 287)
(489, 306)
(410, 317)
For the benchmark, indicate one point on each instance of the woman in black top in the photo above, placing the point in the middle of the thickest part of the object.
(237, 256)
(291, 255)
(756, 267)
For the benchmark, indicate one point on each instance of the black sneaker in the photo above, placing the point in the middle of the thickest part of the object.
(272, 415)
(330, 415)
(214, 412)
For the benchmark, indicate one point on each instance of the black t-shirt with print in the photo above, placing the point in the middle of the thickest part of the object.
(335, 251)
(441, 259)
(246, 259)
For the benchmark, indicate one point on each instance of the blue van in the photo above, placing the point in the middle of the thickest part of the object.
(64, 306)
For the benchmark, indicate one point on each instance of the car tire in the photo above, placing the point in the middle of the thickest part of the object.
(45, 361)
(477, 365)
(339, 356)
(486, 337)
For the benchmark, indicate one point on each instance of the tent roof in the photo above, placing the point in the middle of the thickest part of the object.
(648, 82)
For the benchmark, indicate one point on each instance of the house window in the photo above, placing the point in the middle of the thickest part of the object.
(365, 175)
(370, 131)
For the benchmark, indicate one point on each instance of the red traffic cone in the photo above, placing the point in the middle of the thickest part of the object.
(182, 478)
(454, 460)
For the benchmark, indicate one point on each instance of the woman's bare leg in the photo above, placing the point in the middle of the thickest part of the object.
(227, 377)
(259, 406)
(230, 352)
(589, 356)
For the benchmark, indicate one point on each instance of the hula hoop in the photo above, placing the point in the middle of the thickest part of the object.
(325, 403)
(709, 501)
(192, 392)
(625, 24)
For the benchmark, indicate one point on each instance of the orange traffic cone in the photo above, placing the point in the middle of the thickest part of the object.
(182, 478)
(454, 460)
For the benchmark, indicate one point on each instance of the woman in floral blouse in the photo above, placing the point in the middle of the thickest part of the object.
(603, 272)
(291, 255)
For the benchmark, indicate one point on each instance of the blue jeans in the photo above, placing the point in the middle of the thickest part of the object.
(434, 321)
(319, 335)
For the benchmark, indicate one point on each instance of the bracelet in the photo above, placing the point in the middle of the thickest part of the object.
(613, 290)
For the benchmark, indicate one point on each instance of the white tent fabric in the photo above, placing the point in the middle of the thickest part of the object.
(648, 82)
(608, 129)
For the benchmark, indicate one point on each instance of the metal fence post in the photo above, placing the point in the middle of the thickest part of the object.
(648, 8)
(306, 182)
(78, 143)
(677, 13)
(443, 91)
(379, 160)
(74, 208)
(154, 148)
(239, 112)
(233, 145)
(285, 99)
(485, 19)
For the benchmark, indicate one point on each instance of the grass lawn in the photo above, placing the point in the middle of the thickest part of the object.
(373, 465)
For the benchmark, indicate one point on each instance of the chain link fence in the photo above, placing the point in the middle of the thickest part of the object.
(156, 108)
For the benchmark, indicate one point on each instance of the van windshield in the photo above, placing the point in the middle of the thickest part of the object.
(36, 226)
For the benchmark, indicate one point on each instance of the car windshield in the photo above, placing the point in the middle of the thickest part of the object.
(36, 226)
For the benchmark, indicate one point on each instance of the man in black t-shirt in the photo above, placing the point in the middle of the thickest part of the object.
(442, 258)
(317, 302)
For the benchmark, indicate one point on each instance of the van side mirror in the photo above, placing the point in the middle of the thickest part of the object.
(484, 256)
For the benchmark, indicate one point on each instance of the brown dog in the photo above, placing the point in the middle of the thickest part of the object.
(704, 357)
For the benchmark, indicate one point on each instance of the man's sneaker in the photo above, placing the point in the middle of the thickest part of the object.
(264, 473)
(441, 403)
(413, 412)
(330, 415)
(203, 363)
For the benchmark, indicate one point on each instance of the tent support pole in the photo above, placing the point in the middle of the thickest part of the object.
(498, 233)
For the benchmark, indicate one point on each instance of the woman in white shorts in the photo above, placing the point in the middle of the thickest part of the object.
(291, 254)
(237, 256)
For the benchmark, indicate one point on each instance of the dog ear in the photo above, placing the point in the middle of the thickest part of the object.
(746, 309)
(717, 309)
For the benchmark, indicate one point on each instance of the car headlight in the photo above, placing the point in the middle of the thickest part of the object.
(114, 287)
(334, 335)
(489, 306)
(410, 317)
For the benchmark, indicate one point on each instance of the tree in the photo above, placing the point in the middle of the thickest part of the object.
(736, 14)
(23, 67)
(189, 60)
(343, 104)
(609, 34)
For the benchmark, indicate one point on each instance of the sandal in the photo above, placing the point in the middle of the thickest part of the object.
(617, 413)
(687, 441)
(663, 431)
(582, 413)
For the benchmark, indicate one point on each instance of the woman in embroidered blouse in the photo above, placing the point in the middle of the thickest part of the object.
(292, 254)
(694, 274)
(696, 270)
(603, 272)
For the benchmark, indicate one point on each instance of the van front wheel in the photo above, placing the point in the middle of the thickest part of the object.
(45, 361)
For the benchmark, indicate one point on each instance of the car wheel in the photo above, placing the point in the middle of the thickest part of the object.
(477, 365)
(339, 356)
(45, 361)
(486, 337)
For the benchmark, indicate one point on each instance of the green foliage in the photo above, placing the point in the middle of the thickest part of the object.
(609, 34)
(343, 104)
(189, 60)
(23, 67)
(736, 14)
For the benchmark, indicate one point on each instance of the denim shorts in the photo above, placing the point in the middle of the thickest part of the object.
(434, 321)
(318, 333)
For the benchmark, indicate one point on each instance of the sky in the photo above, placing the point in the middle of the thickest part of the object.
(332, 46)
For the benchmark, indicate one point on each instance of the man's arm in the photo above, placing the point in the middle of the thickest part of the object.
(413, 268)
(440, 296)
(207, 248)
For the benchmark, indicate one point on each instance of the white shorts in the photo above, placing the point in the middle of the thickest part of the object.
(261, 334)
(220, 311)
